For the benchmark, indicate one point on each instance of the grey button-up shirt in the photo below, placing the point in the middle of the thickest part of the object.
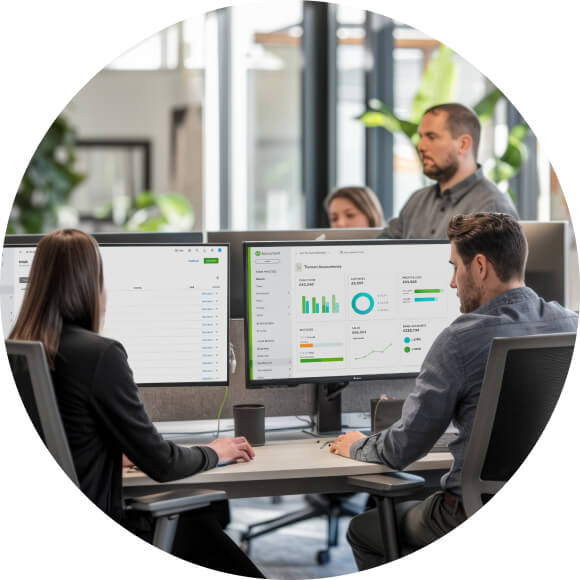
(447, 388)
(428, 211)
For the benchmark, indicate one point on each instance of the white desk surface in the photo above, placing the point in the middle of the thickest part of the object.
(280, 467)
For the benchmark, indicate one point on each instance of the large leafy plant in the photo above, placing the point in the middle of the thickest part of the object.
(155, 212)
(50, 178)
(48, 182)
(438, 86)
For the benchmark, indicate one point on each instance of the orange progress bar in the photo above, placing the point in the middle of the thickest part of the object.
(307, 345)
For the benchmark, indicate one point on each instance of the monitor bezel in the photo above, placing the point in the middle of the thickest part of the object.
(259, 383)
(117, 238)
(149, 239)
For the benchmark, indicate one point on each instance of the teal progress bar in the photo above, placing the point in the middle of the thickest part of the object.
(424, 299)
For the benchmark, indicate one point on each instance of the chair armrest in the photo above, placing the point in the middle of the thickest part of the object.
(387, 484)
(174, 501)
(384, 487)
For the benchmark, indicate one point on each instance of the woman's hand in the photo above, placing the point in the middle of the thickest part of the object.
(231, 449)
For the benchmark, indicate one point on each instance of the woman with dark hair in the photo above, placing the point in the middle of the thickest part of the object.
(103, 416)
(354, 207)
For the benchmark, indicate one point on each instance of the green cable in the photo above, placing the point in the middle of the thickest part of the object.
(221, 409)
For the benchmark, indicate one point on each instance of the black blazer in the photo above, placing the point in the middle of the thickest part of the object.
(104, 417)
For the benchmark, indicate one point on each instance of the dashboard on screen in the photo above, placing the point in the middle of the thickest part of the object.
(336, 311)
(167, 304)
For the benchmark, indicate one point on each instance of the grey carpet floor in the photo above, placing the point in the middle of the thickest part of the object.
(290, 553)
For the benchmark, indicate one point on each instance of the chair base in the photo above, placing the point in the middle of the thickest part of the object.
(329, 505)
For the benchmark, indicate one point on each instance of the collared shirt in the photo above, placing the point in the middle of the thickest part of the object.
(447, 388)
(428, 211)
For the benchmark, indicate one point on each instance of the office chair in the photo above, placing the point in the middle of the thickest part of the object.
(32, 376)
(331, 505)
(523, 380)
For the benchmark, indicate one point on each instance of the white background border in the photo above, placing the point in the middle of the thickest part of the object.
(49, 50)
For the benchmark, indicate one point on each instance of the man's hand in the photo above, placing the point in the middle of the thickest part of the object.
(231, 449)
(341, 445)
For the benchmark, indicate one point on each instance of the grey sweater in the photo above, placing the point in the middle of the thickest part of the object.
(428, 211)
(447, 388)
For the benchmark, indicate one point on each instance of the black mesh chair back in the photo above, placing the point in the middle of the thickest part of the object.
(32, 377)
(523, 380)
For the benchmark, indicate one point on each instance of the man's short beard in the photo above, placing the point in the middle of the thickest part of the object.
(470, 299)
(442, 174)
(470, 304)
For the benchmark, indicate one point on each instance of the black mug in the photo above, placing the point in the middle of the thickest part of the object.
(250, 422)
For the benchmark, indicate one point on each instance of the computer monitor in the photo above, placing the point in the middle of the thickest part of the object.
(167, 303)
(547, 267)
(116, 237)
(329, 312)
(237, 238)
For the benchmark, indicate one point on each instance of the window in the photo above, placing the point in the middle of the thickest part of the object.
(267, 116)
(351, 96)
(159, 51)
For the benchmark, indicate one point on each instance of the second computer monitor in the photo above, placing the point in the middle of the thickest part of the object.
(344, 311)
(167, 303)
(547, 266)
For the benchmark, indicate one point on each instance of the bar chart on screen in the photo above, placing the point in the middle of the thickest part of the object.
(321, 346)
(422, 294)
(319, 297)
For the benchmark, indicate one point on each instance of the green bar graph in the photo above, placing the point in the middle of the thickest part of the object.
(322, 305)
(427, 291)
(319, 360)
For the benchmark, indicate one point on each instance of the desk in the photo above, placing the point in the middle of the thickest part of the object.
(283, 467)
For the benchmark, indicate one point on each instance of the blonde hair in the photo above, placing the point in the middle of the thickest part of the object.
(364, 199)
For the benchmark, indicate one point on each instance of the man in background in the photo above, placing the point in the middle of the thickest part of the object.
(448, 145)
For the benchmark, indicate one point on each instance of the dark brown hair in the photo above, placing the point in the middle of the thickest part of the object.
(461, 120)
(64, 286)
(498, 236)
(364, 199)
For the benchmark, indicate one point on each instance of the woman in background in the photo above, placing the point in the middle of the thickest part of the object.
(103, 416)
(354, 207)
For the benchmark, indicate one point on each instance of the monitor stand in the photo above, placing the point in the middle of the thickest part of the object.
(329, 409)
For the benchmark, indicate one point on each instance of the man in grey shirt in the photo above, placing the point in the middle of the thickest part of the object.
(488, 254)
(449, 140)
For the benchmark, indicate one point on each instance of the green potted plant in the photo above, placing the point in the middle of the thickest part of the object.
(48, 182)
(155, 212)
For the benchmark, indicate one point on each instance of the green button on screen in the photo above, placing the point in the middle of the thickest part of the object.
(211, 260)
